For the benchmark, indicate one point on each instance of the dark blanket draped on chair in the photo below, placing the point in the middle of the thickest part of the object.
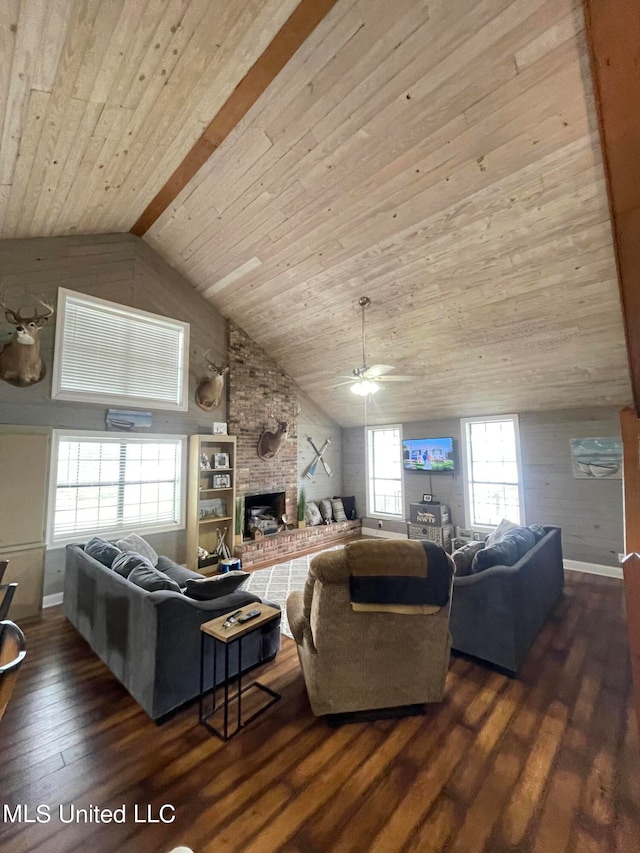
(399, 579)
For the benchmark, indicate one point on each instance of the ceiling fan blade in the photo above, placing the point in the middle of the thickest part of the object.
(377, 370)
(348, 382)
(396, 378)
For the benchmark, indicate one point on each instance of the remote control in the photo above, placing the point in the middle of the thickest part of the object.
(250, 615)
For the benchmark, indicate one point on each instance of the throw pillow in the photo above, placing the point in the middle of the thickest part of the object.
(136, 544)
(349, 504)
(312, 514)
(538, 531)
(151, 580)
(522, 538)
(499, 532)
(503, 553)
(205, 589)
(102, 551)
(463, 557)
(125, 563)
(325, 510)
(338, 509)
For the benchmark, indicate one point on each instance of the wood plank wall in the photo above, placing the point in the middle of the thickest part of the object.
(588, 511)
(121, 268)
(315, 423)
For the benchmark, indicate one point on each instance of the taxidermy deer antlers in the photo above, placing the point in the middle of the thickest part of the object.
(209, 391)
(20, 362)
(273, 439)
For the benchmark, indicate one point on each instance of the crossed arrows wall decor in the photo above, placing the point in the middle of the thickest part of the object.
(311, 470)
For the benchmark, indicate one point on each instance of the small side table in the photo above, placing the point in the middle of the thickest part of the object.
(213, 631)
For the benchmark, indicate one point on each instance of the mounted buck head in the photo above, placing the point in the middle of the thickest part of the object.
(209, 391)
(274, 438)
(20, 362)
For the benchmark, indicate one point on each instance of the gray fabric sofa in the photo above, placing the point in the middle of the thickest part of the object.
(151, 640)
(497, 614)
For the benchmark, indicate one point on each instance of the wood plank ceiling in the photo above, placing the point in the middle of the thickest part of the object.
(441, 157)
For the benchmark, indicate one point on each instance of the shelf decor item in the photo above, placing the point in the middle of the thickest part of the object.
(302, 506)
(219, 428)
(213, 508)
(221, 460)
(205, 465)
(221, 481)
(239, 523)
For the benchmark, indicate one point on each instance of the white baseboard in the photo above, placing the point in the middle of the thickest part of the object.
(382, 534)
(593, 568)
(52, 600)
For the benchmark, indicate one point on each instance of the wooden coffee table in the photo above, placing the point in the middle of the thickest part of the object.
(214, 632)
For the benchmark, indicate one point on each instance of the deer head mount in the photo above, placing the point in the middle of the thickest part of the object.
(274, 438)
(209, 391)
(20, 362)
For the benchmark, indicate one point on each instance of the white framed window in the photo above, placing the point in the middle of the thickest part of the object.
(105, 484)
(384, 472)
(110, 353)
(492, 470)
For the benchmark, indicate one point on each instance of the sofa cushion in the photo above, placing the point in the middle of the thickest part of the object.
(538, 531)
(349, 505)
(206, 589)
(325, 510)
(102, 551)
(149, 578)
(522, 537)
(178, 573)
(125, 563)
(136, 544)
(504, 553)
(312, 514)
(338, 509)
(499, 532)
(463, 557)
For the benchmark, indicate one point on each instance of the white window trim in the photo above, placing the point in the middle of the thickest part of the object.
(97, 397)
(383, 515)
(487, 528)
(53, 544)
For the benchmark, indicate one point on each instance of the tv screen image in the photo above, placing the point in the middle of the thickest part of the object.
(432, 455)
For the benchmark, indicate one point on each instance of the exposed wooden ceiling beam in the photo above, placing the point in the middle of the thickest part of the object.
(291, 36)
(613, 31)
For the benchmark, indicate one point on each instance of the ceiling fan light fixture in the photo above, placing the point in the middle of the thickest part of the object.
(364, 388)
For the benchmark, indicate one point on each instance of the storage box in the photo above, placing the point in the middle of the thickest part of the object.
(440, 535)
(435, 514)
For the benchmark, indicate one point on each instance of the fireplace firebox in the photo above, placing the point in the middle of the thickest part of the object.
(263, 512)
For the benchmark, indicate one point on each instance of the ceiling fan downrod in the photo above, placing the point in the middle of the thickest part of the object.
(364, 303)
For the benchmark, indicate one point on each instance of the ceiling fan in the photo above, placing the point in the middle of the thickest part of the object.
(364, 380)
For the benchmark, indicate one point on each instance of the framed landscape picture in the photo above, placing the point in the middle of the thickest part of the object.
(596, 458)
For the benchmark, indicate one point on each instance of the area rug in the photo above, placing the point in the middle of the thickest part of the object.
(277, 581)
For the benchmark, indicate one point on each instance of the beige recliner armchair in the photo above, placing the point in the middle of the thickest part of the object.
(360, 661)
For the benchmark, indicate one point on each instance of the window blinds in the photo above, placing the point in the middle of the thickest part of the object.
(110, 352)
(107, 485)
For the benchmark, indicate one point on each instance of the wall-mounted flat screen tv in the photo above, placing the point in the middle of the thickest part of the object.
(432, 455)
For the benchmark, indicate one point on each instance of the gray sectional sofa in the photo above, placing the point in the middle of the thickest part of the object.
(497, 614)
(151, 640)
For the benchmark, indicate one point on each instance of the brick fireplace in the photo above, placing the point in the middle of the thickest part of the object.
(256, 386)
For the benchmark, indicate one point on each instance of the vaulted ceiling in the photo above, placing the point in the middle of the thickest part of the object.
(440, 157)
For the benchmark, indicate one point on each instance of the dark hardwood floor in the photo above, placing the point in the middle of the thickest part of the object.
(541, 764)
